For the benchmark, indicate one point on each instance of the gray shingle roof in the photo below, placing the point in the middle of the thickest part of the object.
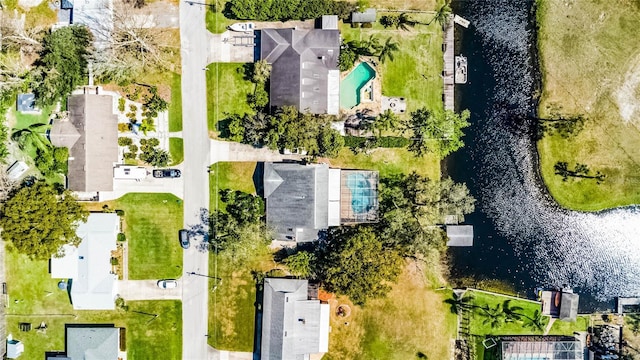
(569, 306)
(93, 343)
(304, 68)
(292, 325)
(93, 137)
(297, 199)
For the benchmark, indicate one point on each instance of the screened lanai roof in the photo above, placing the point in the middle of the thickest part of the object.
(547, 349)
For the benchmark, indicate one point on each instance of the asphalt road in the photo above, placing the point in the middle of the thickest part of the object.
(194, 50)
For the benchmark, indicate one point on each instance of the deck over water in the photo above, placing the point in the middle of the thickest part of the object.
(621, 302)
(449, 61)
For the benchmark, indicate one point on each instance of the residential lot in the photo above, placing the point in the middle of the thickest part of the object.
(151, 224)
(33, 297)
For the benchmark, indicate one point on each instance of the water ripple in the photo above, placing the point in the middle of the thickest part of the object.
(598, 253)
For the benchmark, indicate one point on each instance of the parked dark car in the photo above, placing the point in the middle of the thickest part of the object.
(183, 235)
(166, 173)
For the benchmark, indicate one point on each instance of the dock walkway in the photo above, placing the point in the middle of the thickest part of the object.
(449, 68)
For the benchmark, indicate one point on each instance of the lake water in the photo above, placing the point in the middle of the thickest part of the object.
(521, 235)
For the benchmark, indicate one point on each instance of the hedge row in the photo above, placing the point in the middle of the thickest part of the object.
(283, 10)
(383, 141)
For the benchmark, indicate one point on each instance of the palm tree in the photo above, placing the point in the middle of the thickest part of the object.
(535, 322)
(494, 316)
(458, 303)
(405, 21)
(31, 135)
(385, 121)
(442, 15)
(511, 312)
(387, 50)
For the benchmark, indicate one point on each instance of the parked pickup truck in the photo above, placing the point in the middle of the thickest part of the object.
(166, 173)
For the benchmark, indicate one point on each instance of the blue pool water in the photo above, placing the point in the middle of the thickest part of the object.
(361, 193)
(351, 85)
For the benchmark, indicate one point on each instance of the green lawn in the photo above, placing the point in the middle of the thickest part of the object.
(151, 222)
(231, 306)
(34, 298)
(25, 120)
(175, 105)
(589, 64)
(477, 327)
(216, 22)
(227, 92)
(230, 175)
(568, 328)
(388, 162)
(415, 71)
(176, 150)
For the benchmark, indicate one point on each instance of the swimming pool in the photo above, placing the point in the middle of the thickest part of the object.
(352, 84)
(362, 195)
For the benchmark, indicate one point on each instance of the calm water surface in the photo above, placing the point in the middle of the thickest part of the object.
(521, 236)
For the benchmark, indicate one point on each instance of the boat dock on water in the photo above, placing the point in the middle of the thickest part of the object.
(455, 67)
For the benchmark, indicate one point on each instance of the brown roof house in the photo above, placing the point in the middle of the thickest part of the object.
(304, 66)
(91, 135)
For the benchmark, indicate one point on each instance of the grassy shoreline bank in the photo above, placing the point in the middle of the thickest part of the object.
(589, 67)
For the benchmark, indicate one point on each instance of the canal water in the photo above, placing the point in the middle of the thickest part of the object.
(521, 236)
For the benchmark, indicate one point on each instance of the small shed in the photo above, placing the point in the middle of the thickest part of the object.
(15, 348)
(367, 16)
(27, 103)
(16, 170)
(460, 235)
(568, 306)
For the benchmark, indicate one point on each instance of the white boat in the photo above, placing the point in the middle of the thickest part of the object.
(460, 70)
(243, 27)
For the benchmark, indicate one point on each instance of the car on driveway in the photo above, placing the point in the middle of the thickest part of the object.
(183, 235)
(167, 284)
(166, 173)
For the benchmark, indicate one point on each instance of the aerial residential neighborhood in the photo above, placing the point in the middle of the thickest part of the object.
(319, 179)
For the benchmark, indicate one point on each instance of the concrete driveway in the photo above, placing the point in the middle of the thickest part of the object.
(147, 290)
(231, 46)
(148, 185)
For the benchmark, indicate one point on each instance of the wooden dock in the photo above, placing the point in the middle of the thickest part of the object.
(621, 302)
(449, 68)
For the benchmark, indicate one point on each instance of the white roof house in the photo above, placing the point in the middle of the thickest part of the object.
(293, 326)
(93, 286)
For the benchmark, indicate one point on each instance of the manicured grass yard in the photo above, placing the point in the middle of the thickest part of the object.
(152, 222)
(216, 22)
(227, 92)
(230, 175)
(34, 298)
(176, 150)
(510, 328)
(231, 306)
(175, 105)
(589, 67)
(389, 162)
(415, 71)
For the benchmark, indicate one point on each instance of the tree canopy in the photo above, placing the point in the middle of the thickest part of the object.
(287, 129)
(40, 218)
(282, 10)
(411, 206)
(62, 64)
(437, 132)
(357, 264)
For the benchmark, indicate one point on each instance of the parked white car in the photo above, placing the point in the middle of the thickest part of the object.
(167, 284)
